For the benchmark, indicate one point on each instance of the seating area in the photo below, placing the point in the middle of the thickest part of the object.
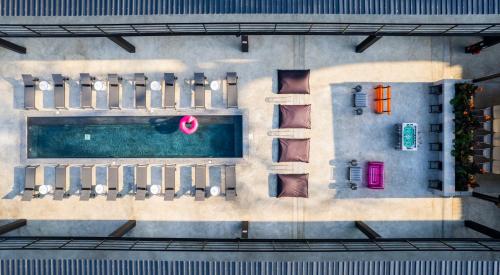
(294, 149)
(143, 89)
(383, 99)
(37, 185)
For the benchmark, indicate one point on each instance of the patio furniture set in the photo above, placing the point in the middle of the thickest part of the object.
(32, 186)
(36, 187)
(487, 140)
(382, 101)
(89, 84)
(375, 169)
(297, 117)
(375, 175)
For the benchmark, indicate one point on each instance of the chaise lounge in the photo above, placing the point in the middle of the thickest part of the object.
(61, 94)
(62, 177)
(30, 179)
(232, 90)
(169, 177)
(169, 89)
(230, 182)
(140, 82)
(114, 181)
(29, 92)
(88, 179)
(200, 179)
(141, 181)
(114, 95)
(86, 92)
(199, 90)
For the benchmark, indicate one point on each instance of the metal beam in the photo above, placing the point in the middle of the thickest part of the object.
(486, 78)
(11, 46)
(365, 44)
(482, 229)
(123, 229)
(120, 41)
(244, 43)
(495, 200)
(244, 229)
(12, 226)
(479, 46)
(368, 231)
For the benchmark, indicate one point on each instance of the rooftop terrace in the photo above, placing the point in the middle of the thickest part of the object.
(408, 64)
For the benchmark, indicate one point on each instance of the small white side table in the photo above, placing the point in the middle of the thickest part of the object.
(44, 189)
(99, 85)
(214, 191)
(155, 86)
(155, 189)
(44, 85)
(214, 85)
(99, 189)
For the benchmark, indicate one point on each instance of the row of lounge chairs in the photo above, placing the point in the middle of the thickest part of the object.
(115, 182)
(297, 117)
(87, 96)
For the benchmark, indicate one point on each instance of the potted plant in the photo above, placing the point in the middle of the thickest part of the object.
(465, 125)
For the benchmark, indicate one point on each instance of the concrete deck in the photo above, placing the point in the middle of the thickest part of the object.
(405, 208)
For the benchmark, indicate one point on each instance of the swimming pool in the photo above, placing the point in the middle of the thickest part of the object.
(133, 137)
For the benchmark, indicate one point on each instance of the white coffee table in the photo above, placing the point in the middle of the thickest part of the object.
(155, 189)
(44, 85)
(44, 189)
(99, 189)
(99, 85)
(155, 86)
(214, 191)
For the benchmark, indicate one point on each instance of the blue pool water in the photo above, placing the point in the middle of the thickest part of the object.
(133, 137)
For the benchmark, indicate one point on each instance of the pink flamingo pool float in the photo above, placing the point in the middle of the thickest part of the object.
(191, 121)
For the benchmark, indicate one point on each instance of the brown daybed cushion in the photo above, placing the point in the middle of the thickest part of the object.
(295, 116)
(293, 185)
(294, 150)
(293, 81)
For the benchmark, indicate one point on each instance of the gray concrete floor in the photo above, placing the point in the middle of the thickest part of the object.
(404, 208)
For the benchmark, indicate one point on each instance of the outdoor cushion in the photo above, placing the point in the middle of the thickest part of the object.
(293, 185)
(293, 81)
(295, 116)
(294, 150)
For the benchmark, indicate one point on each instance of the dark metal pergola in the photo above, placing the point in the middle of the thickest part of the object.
(489, 31)
(248, 28)
(249, 245)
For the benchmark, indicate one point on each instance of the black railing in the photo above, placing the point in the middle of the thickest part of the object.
(254, 28)
(246, 245)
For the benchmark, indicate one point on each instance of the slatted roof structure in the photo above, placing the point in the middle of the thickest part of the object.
(143, 267)
(164, 7)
